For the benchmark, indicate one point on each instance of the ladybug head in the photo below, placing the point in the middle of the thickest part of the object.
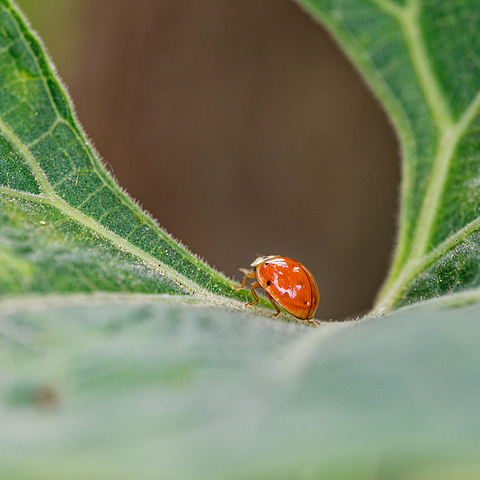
(260, 260)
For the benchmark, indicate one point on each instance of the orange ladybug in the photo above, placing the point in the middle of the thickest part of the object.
(286, 282)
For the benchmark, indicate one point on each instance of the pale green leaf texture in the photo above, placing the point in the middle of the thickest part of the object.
(136, 388)
(65, 225)
(422, 58)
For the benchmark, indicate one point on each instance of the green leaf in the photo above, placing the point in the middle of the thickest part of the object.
(144, 387)
(422, 59)
(154, 385)
(65, 225)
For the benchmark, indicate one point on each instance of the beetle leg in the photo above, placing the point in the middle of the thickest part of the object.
(254, 285)
(272, 301)
(250, 274)
(312, 322)
(246, 271)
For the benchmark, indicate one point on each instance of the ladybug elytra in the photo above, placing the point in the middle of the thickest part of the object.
(287, 283)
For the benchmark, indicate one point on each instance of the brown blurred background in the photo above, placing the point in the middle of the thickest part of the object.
(241, 127)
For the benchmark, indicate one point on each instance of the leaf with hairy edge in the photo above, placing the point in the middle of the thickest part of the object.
(65, 225)
(422, 59)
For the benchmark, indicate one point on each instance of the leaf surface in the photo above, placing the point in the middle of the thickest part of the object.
(65, 225)
(422, 59)
(124, 386)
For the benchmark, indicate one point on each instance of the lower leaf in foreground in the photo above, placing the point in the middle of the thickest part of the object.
(146, 388)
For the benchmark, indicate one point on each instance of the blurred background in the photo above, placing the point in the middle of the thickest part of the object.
(241, 127)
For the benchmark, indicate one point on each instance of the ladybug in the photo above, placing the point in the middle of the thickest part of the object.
(287, 283)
